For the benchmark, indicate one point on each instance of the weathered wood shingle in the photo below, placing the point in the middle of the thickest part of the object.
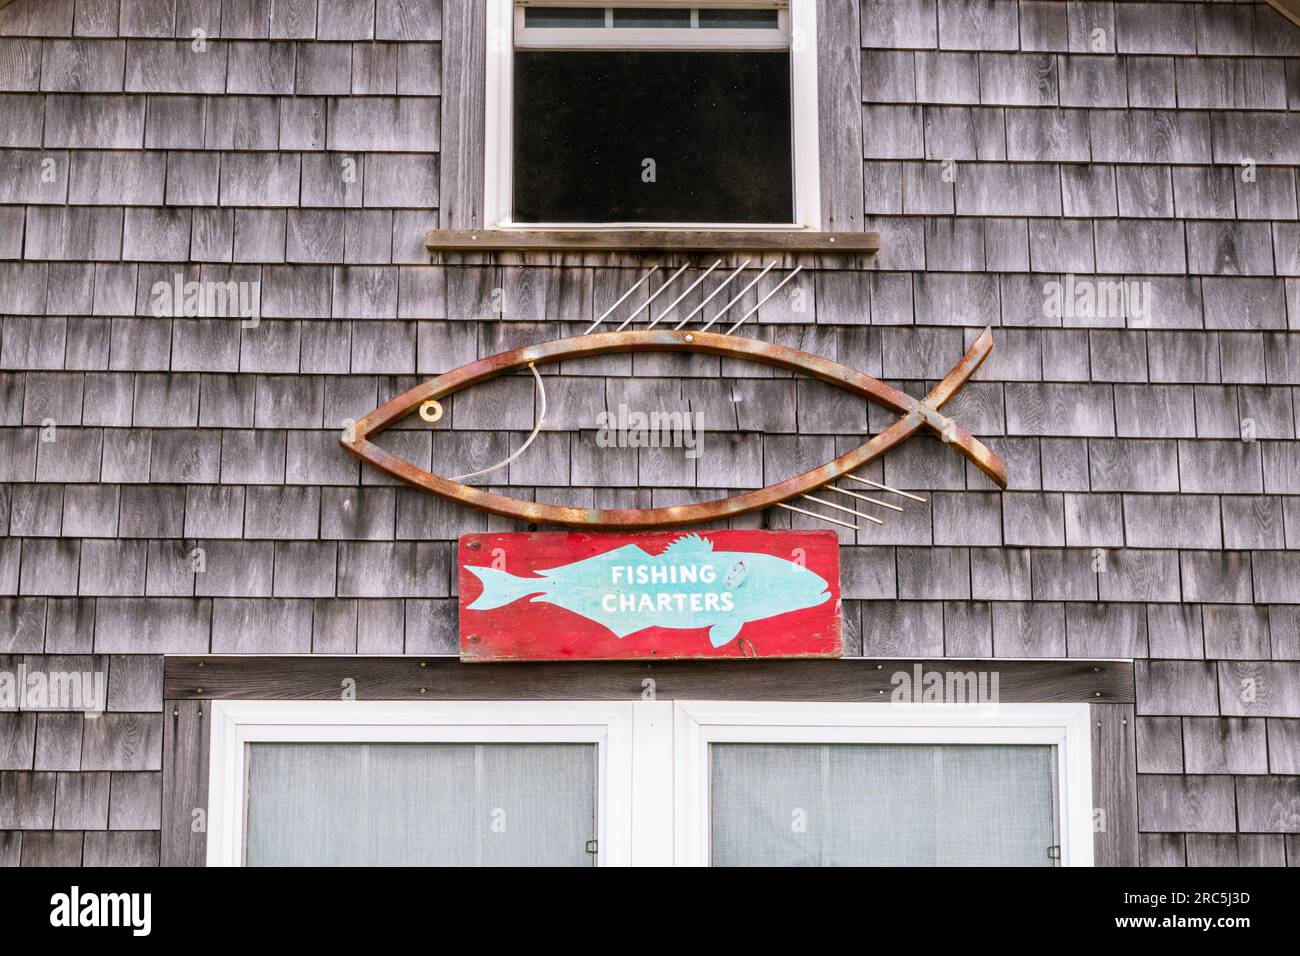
(996, 146)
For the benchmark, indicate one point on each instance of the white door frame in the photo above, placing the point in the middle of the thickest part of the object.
(652, 788)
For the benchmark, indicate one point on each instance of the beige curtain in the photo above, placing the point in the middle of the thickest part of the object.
(881, 805)
(377, 804)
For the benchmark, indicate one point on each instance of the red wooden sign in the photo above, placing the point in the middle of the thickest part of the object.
(661, 596)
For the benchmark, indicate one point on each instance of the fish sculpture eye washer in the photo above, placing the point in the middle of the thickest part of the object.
(915, 415)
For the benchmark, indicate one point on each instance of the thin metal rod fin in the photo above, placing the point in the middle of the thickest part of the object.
(537, 426)
(712, 295)
(831, 504)
(654, 295)
(867, 498)
(763, 301)
(813, 514)
(673, 304)
(892, 491)
(739, 295)
(621, 299)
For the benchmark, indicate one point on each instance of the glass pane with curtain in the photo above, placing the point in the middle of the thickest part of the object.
(420, 804)
(565, 17)
(882, 805)
(730, 18)
(650, 18)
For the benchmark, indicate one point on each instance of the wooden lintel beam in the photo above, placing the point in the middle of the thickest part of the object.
(319, 677)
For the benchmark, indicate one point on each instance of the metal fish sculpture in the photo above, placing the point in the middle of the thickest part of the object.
(688, 586)
(915, 415)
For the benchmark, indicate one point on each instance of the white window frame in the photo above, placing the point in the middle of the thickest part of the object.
(653, 38)
(235, 724)
(697, 724)
(652, 789)
(498, 169)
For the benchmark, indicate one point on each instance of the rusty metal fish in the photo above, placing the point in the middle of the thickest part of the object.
(915, 415)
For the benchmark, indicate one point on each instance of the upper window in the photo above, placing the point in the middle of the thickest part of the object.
(652, 114)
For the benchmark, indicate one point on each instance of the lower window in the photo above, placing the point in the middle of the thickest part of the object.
(881, 805)
(420, 804)
(654, 783)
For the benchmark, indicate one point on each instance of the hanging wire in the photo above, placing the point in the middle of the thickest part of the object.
(537, 426)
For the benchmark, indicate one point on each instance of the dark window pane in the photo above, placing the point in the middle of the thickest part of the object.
(716, 124)
(564, 16)
(650, 17)
(739, 19)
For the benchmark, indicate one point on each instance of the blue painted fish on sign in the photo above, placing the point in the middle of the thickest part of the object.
(688, 586)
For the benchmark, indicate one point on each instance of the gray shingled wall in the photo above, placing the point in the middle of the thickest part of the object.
(1115, 152)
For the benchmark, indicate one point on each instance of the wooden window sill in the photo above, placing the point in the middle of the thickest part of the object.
(651, 240)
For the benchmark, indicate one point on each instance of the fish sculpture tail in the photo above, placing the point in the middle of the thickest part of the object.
(500, 588)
